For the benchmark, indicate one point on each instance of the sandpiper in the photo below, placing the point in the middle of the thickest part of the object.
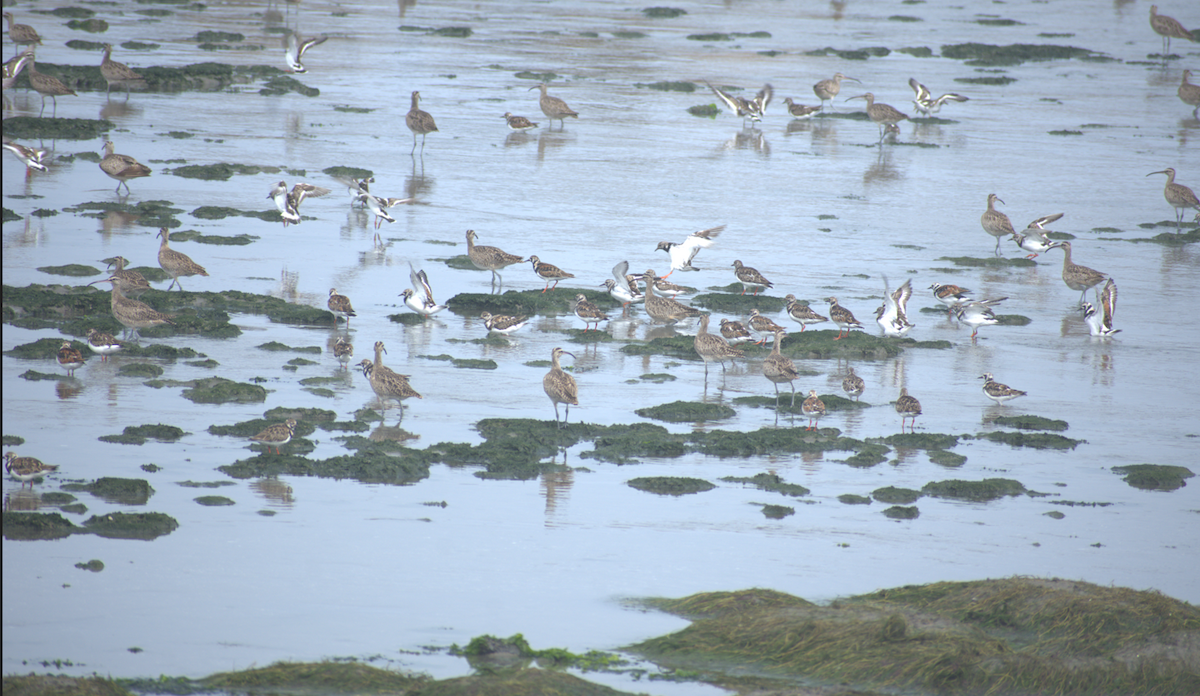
(826, 90)
(853, 385)
(1078, 277)
(560, 387)
(133, 314)
(734, 332)
(31, 157)
(925, 102)
(908, 407)
(778, 368)
(276, 435)
(420, 298)
(754, 109)
(133, 283)
(489, 258)
(25, 468)
(800, 111)
(881, 114)
(343, 350)
(1099, 318)
(47, 86)
(502, 323)
(295, 47)
(553, 107)
(949, 295)
(588, 312)
(1178, 196)
(419, 122)
(121, 167)
(1190, 94)
(518, 123)
(843, 317)
(118, 74)
(998, 392)
(892, 316)
(103, 344)
(70, 358)
(814, 408)
(977, 313)
(548, 272)
(802, 313)
(682, 253)
(21, 34)
(763, 326)
(288, 203)
(750, 278)
(1166, 27)
(176, 264)
(664, 309)
(1033, 238)
(340, 306)
(713, 347)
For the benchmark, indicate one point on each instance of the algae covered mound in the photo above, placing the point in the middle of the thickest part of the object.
(1154, 477)
(1016, 635)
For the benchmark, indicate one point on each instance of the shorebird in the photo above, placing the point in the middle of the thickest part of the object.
(802, 313)
(814, 408)
(925, 102)
(1099, 318)
(734, 332)
(133, 314)
(47, 86)
(588, 312)
(977, 314)
(25, 468)
(489, 258)
(1190, 94)
(778, 368)
(623, 287)
(1166, 27)
(288, 203)
(750, 278)
(419, 122)
(843, 317)
(21, 34)
(713, 347)
(31, 157)
(379, 206)
(343, 350)
(908, 407)
(133, 284)
(763, 326)
(745, 108)
(386, 384)
(420, 298)
(881, 114)
(358, 189)
(559, 386)
(70, 358)
(295, 47)
(1033, 239)
(666, 288)
(1078, 277)
(548, 272)
(800, 111)
(13, 67)
(664, 309)
(892, 315)
(949, 295)
(826, 90)
(121, 167)
(998, 392)
(103, 344)
(553, 107)
(995, 222)
(503, 323)
(682, 253)
(118, 74)
(176, 264)
(276, 435)
(1178, 196)
(340, 306)
(518, 123)
(853, 385)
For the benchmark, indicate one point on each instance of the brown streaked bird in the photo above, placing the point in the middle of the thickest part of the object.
(1079, 277)
(503, 323)
(70, 358)
(118, 74)
(995, 222)
(1178, 196)
(778, 368)
(853, 385)
(883, 115)
(343, 350)
(814, 408)
(998, 392)
(387, 384)
(588, 312)
(103, 344)
(1168, 28)
(176, 263)
(553, 107)
(713, 347)
(47, 86)
(664, 309)
(548, 272)
(800, 111)
(763, 326)
(908, 407)
(489, 258)
(518, 123)
(950, 295)
(121, 167)
(340, 306)
(133, 283)
(843, 317)
(802, 314)
(560, 386)
(750, 278)
(826, 90)
(26, 468)
(734, 332)
(419, 122)
(276, 435)
(133, 314)
(1190, 94)
(21, 34)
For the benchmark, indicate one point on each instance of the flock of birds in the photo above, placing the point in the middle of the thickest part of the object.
(655, 293)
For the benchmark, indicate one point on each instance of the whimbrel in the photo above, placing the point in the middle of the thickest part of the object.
(419, 122)
(560, 387)
(553, 107)
(176, 263)
(778, 368)
(121, 167)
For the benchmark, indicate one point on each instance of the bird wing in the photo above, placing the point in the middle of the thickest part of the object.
(1108, 298)
(1041, 222)
(420, 283)
(923, 94)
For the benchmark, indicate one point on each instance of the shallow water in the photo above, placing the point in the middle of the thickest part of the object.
(346, 568)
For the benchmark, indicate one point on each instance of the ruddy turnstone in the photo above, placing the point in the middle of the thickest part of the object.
(503, 323)
(883, 115)
(778, 368)
(340, 306)
(588, 312)
(489, 258)
(998, 392)
(892, 316)
(750, 278)
(26, 468)
(1033, 239)
(295, 46)
(682, 253)
(13, 67)
(763, 326)
(949, 295)
(549, 272)
(559, 386)
(713, 347)
(31, 157)
(419, 122)
(1178, 196)
(103, 344)
(800, 111)
(826, 90)
(624, 288)
(553, 107)
(995, 222)
(121, 167)
(843, 317)
(977, 314)
(518, 123)
(801, 313)
(343, 350)
(420, 298)
(277, 435)
(1079, 277)
(734, 332)
(1099, 318)
(853, 385)
(814, 408)
(288, 202)
(754, 109)
(925, 102)
(908, 407)
(70, 358)
(177, 264)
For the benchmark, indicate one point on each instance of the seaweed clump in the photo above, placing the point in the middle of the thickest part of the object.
(670, 485)
(1154, 477)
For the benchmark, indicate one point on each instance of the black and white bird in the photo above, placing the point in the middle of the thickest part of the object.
(682, 253)
(296, 46)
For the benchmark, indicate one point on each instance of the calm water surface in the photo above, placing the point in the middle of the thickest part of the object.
(348, 569)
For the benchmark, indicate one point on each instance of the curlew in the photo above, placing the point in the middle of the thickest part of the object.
(560, 387)
(419, 122)
(778, 368)
(882, 115)
(713, 347)
(553, 107)
(176, 264)
(1079, 277)
(47, 86)
(1178, 196)
(133, 314)
(995, 222)
(489, 258)
(121, 167)
(826, 90)
(1168, 28)
(21, 34)
(664, 309)
(118, 74)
